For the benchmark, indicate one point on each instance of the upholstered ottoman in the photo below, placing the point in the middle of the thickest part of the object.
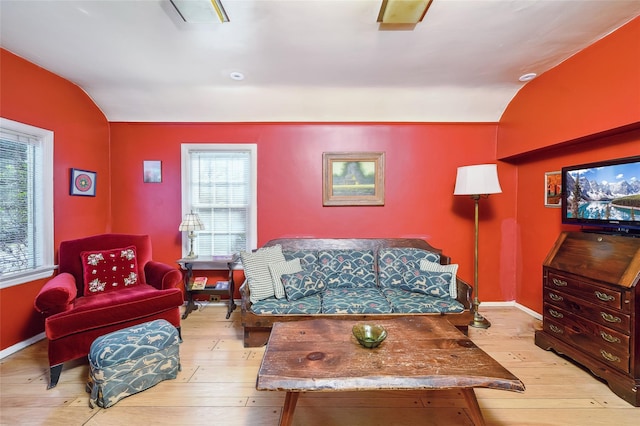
(131, 360)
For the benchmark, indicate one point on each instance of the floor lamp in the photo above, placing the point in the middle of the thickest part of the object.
(477, 181)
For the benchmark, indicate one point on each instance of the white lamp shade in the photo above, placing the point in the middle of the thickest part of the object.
(479, 179)
(191, 222)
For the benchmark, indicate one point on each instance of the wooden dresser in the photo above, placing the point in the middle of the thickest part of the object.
(591, 307)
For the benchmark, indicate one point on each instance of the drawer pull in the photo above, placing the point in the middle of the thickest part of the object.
(604, 297)
(609, 318)
(555, 313)
(555, 297)
(608, 356)
(609, 338)
(559, 283)
(556, 329)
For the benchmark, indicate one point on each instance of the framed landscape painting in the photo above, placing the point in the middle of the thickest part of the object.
(353, 178)
(553, 189)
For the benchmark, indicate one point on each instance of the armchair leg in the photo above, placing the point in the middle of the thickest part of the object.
(179, 333)
(54, 375)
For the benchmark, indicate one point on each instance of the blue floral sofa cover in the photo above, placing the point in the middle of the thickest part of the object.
(298, 278)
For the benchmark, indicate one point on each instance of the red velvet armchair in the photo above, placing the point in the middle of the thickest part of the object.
(79, 311)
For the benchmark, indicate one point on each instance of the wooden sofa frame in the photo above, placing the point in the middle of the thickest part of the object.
(257, 327)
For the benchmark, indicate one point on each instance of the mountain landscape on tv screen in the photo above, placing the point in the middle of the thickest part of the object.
(618, 200)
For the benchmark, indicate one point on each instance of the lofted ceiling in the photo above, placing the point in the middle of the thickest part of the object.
(304, 60)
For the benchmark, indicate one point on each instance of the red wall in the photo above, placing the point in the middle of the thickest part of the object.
(545, 127)
(593, 92)
(421, 161)
(39, 98)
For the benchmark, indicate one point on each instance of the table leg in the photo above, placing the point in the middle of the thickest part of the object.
(290, 402)
(191, 305)
(474, 408)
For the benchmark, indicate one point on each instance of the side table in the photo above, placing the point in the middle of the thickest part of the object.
(209, 263)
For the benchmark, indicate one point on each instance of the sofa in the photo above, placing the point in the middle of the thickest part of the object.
(292, 279)
(104, 283)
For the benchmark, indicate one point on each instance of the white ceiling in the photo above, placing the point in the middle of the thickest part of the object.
(304, 60)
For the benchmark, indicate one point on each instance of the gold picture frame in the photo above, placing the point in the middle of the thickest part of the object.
(552, 189)
(353, 179)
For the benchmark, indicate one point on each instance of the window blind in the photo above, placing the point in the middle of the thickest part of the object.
(220, 186)
(21, 207)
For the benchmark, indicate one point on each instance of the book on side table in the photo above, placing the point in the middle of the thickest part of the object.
(199, 283)
(222, 285)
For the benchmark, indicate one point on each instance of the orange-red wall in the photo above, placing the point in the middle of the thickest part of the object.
(593, 92)
(545, 127)
(421, 161)
(32, 95)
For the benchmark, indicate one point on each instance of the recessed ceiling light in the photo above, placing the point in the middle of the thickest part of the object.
(236, 75)
(528, 76)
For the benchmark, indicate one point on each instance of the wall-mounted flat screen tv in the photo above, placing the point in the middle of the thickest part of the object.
(604, 195)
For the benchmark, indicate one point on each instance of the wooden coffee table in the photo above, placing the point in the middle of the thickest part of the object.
(419, 353)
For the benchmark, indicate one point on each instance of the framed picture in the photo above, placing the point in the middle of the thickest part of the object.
(82, 182)
(552, 189)
(152, 171)
(353, 178)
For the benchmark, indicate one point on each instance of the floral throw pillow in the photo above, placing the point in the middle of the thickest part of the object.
(109, 270)
(304, 283)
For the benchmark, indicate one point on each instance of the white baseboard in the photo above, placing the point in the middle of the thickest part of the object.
(21, 345)
(514, 304)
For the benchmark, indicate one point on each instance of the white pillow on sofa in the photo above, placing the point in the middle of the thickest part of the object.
(279, 269)
(426, 265)
(256, 270)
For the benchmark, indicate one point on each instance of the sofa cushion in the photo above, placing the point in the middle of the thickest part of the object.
(307, 305)
(303, 283)
(348, 268)
(446, 274)
(434, 284)
(256, 270)
(354, 301)
(410, 302)
(111, 308)
(277, 270)
(109, 270)
(307, 257)
(394, 262)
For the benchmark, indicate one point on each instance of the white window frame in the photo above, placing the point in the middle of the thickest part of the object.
(44, 221)
(186, 148)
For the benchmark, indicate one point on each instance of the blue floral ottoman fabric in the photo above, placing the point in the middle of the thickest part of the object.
(394, 262)
(354, 301)
(306, 305)
(410, 302)
(131, 360)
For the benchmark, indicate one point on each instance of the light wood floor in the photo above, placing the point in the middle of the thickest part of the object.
(217, 387)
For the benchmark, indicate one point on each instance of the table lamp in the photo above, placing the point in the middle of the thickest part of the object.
(190, 224)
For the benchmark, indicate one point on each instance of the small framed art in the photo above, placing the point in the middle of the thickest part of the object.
(82, 182)
(353, 178)
(152, 171)
(553, 189)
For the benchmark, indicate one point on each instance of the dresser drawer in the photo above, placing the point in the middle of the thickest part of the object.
(613, 348)
(610, 318)
(601, 295)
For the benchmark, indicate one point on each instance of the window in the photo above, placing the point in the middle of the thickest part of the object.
(26, 203)
(219, 184)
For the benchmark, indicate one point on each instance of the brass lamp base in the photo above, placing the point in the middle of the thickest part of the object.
(478, 320)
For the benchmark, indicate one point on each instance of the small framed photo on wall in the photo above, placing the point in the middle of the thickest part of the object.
(553, 189)
(152, 171)
(82, 182)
